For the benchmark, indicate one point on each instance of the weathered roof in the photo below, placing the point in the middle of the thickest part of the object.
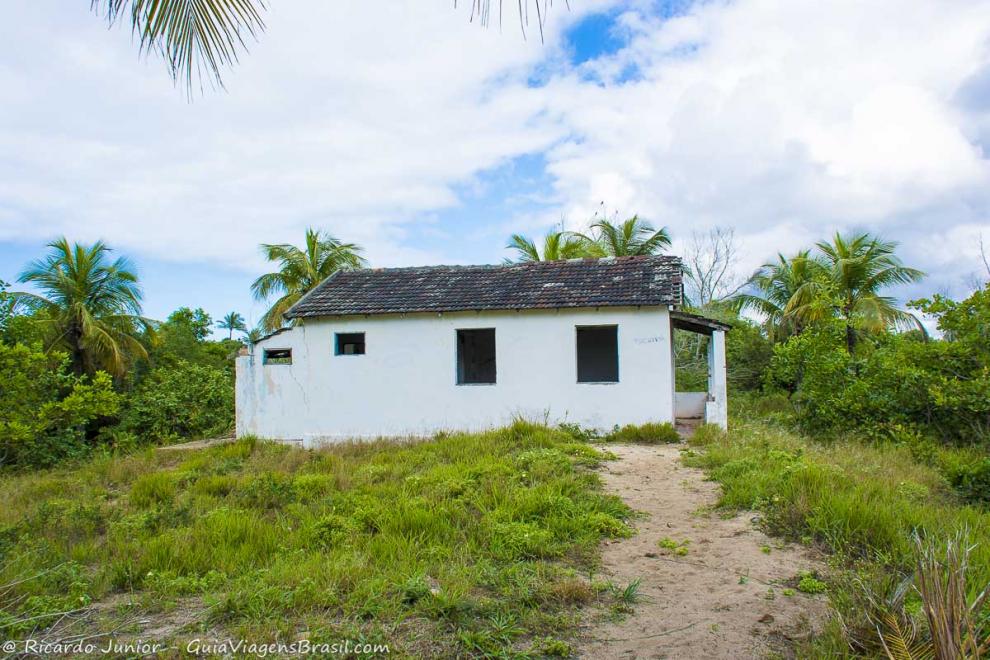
(610, 282)
(697, 323)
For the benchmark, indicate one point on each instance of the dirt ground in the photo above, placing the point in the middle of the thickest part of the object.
(722, 596)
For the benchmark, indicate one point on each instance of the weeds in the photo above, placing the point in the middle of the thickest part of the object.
(863, 503)
(647, 434)
(484, 534)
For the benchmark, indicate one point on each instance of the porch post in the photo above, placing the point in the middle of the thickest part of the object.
(717, 408)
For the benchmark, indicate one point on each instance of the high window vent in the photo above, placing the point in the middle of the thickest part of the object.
(277, 356)
(349, 343)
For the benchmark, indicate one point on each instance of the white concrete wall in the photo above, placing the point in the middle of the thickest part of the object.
(405, 384)
(717, 408)
(690, 404)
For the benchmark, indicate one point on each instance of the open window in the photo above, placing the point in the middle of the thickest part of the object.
(598, 354)
(349, 343)
(277, 356)
(476, 357)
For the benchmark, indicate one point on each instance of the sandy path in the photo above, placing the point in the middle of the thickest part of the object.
(696, 605)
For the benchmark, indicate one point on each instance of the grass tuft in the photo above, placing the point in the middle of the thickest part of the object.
(651, 433)
(479, 538)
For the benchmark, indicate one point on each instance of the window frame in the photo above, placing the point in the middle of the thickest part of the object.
(267, 361)
(337, 345)
(457, 357)
(577, 355)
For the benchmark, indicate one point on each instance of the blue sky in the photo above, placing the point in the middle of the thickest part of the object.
(429, 139)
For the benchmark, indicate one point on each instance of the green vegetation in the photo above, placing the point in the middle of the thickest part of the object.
(629, 238)
(679, 548)
(861, 502)
(300, 270)
(651, 433)
(90, 306)
(463, 545)
(45, 409)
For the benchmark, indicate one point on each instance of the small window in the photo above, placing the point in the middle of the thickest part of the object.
(598, 354)
(349, 343)
(476, 357)
(278, 356)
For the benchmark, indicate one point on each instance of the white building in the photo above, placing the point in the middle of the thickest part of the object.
(410, 351)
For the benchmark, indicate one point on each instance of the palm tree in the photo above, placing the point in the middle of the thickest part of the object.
(775, 284)
(300, 270)
(850, 274)
(631, 238)
(557, 245)
(92, 305)
(232, 321)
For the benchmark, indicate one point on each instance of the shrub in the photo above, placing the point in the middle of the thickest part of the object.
(184, 401)
(894, 383)
(46, 413)
(651, 433)
(971, 478)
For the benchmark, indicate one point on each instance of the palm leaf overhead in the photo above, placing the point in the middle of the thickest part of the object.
(300, 270)
(91, 305)
(198, 39)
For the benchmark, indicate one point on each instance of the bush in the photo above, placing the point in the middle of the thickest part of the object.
(651, 433)
(970, 478)
(184, 401)
(46, 413)
(891, 381)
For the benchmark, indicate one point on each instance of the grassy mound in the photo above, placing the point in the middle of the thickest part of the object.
(468, 543)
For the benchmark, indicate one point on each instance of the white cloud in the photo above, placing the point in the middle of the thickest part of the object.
(784, 119)
(787, 120)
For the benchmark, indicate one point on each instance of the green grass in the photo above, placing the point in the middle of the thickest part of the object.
(651, 433)
(861, 503)
(465, 544)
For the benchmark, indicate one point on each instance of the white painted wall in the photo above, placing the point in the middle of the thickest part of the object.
(690, 404)
(405, 384)
(717, 408)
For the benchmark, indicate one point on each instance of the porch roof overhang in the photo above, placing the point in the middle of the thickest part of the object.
(697, 323)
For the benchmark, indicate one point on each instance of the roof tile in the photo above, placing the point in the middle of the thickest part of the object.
(609, 282)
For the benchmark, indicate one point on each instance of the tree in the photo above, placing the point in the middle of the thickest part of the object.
(849, 275)
(6, 308)
(232, 321)
(90, 305)
(300, 270)
(774, 285)
(631, 238)
(557, 245)
(709, 266)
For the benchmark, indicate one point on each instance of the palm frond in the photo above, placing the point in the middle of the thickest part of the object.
(198, 39)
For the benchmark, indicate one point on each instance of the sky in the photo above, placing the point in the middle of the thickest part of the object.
(426, 138)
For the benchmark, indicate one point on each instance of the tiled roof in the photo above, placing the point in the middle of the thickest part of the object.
(611, 282)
